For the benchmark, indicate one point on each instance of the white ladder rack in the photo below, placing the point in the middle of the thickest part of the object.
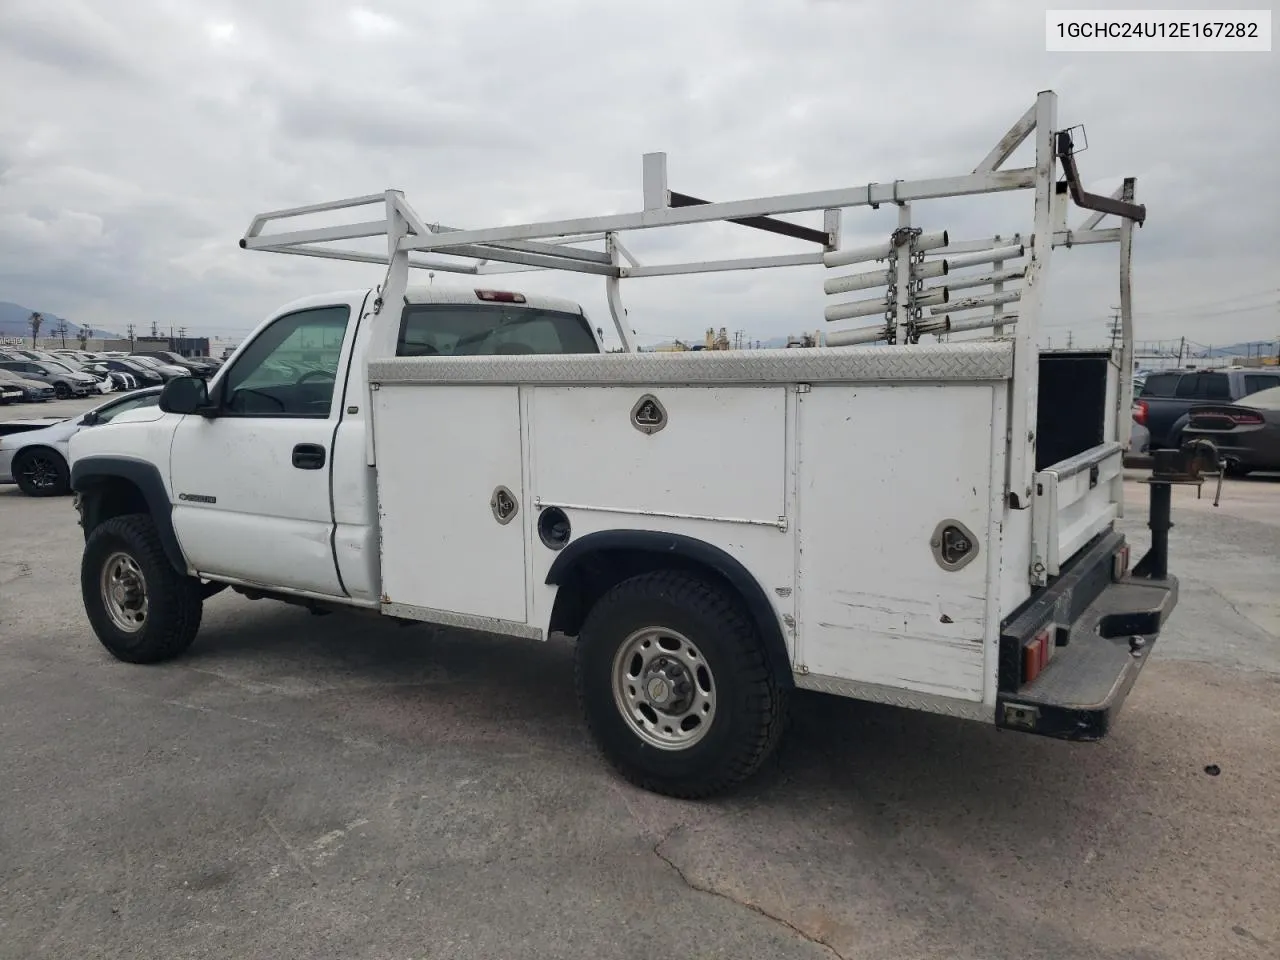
(907, 309)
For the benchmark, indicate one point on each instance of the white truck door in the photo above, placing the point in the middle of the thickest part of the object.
(251, 485)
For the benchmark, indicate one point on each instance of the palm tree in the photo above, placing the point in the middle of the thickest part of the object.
(35, 320)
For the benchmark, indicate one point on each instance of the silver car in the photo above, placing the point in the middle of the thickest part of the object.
(33, 453)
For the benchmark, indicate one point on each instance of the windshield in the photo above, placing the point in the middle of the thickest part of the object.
(58, 365)
(463, 329)
(109, 412)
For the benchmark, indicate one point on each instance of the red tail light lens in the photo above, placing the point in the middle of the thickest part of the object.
(1140, 413)
(1037, 654)
(1121, 563)
(1225, 418)
(500, 296)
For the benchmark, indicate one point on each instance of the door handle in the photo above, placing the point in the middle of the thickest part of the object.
(308, 456)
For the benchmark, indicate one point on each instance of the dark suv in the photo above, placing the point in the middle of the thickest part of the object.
(1167, 397)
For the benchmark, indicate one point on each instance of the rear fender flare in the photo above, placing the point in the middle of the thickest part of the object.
(694, 552)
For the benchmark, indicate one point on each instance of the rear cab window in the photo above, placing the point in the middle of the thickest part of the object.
(491, 329)
(1160, 385)
(1204, 386)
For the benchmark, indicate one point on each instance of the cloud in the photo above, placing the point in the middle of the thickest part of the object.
(136, 147)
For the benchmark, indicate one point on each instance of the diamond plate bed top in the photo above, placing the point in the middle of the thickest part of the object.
(972, 361)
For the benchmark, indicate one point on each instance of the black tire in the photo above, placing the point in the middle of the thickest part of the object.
(749, 707)
(61, 391)
(174, 601)
(41, 472)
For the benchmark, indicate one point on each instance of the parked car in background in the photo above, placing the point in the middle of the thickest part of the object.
(122, 380)
(1164, 404)
(167, 370)
(33, 454)
(1246, 433)
(145, 375)
(33, 391)
(197, 365)
(102, 382)
(65, 382)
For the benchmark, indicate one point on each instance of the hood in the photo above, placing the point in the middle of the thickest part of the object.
(10, 427)
(52, 433)
(26, 383)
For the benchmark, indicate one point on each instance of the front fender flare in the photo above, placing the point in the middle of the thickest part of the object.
(89, 472)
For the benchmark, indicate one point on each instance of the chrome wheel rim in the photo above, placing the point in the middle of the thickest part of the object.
(664, 689)
(124, 592)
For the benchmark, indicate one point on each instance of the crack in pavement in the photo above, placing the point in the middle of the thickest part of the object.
(657, 852)
(1235, 609)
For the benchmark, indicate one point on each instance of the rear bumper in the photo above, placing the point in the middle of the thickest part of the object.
(1102, 630)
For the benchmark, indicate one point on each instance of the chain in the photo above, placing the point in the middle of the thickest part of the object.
(903, 237)
(891, 294)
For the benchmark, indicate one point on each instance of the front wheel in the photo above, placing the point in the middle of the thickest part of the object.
(41, 472)
(140, 607)
(675, 685)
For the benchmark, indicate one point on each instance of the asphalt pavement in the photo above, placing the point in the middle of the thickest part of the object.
(339, 787)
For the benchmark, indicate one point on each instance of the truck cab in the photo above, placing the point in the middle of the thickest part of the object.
(270, 482)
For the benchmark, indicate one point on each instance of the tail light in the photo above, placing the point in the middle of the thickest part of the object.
(1037, 654)
(1140, 413)
(500, 296)
(1218, 418)
(1121, 562)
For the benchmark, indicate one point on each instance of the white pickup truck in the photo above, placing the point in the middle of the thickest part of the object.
(929, 525)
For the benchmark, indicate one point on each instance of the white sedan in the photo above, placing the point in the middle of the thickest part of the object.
(33, 453)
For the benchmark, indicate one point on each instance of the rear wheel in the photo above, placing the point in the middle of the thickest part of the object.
(41, 472)
(140, 607)
(676, 687)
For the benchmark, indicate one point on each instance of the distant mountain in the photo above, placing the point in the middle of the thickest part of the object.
(1268, 348)
(15, 322)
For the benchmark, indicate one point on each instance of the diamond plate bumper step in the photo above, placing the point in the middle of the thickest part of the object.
(1079, 692)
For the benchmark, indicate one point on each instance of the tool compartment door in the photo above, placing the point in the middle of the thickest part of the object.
(881, 467)
(443, 452)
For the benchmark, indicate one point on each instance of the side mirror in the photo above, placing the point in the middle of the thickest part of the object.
(185, 395)
(89, 419)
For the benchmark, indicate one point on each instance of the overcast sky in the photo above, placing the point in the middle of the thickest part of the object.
(138, 139)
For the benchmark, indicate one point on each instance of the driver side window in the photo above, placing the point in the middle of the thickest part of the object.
(291, 369)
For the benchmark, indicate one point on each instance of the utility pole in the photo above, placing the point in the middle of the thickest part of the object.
(1070, 339)
(132, 343)
(155, 331)
(1182, 345)
(1115, 327)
